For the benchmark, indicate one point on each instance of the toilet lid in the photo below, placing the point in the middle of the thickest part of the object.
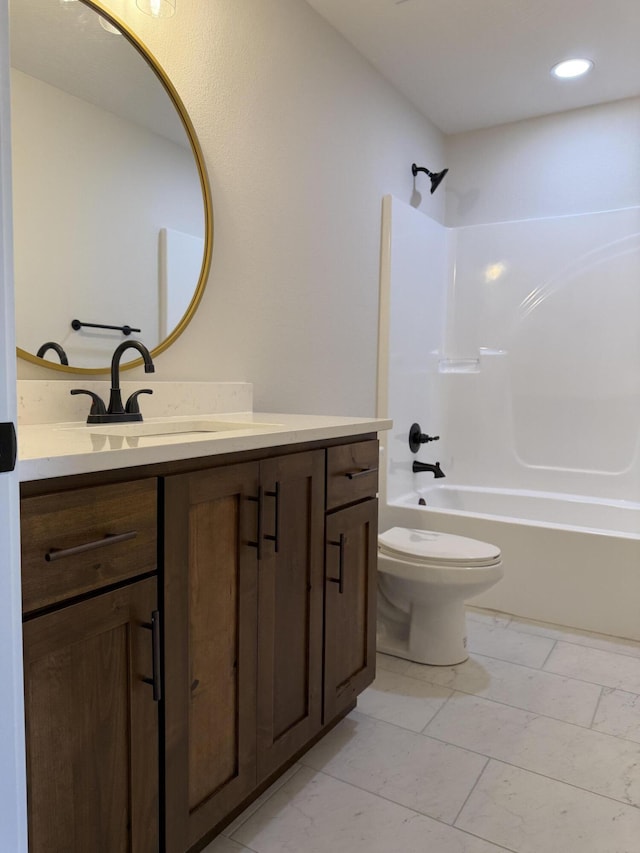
(430, 547)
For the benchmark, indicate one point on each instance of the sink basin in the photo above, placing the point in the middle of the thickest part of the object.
(172, 428)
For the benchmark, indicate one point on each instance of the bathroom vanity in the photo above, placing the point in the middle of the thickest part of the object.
(198, 595)
(198, 609)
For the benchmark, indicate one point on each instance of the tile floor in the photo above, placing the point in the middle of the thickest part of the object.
(530, 746)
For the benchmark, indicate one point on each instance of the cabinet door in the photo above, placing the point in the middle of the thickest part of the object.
(92, 725)
(210, 614)
(290, 607)
(350, 605)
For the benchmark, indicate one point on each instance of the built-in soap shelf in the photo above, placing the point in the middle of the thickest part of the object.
(468, 365)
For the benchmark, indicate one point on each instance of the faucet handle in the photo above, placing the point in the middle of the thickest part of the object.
(132, 407)
(417, 437)
(97, 404)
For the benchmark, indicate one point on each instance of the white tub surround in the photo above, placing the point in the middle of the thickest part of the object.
(515, 342)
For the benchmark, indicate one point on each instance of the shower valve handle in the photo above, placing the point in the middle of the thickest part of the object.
(417, 437)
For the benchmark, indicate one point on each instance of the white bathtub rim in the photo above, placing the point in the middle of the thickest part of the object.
(570, 497)
(410, 501)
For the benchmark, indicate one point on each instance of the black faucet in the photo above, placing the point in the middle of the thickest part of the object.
(54, 346)
(116, 413)
(425, 466)
(115, 400)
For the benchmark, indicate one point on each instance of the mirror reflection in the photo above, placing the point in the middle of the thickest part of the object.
(110, 217)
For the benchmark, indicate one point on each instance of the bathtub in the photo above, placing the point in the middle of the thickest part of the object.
(568, 559)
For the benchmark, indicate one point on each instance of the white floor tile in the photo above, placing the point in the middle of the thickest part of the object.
(224, 845)
(591, 760)
(519, 686)
(619, 714)
(512, 750)
(576, 636)
(255, 805)
(391, 664)
(496, 641)
(314, 813)
(408, 768)
(403, 701)
(599, 667)
(531, 814)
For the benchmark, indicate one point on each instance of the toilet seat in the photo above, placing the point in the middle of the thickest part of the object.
(424, 579)
(430, 549)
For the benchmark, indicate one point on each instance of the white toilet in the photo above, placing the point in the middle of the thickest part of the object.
(424, 578)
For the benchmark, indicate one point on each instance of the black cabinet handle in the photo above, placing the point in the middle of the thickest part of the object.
(276, 537)
(156, 680)
(360, 473)
(340, 579)
(258, 542)
(110, 539)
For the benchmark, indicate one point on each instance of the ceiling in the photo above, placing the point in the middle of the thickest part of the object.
(469, 64)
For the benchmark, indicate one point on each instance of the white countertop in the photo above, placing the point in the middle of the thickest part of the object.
(62, 449)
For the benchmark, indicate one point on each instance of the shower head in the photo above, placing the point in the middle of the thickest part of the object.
(436, 177)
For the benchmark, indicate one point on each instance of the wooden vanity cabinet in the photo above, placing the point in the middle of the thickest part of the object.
(243, 598)
(90, 669)
(350, 566)
(210, 650)
(290, 608)
(266, 595)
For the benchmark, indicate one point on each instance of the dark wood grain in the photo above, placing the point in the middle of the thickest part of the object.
(345, 459)
(210, 586)
(246, 645)
(69, 519)
(350, 616)
(92, 726)
(290, 609)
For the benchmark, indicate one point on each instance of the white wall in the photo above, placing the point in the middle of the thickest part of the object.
(92, 191)
(302, 138)
(574, 162)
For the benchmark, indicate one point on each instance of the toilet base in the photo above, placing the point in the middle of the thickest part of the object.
(434, 635)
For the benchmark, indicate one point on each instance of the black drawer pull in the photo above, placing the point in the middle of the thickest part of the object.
(340, 579)
(360, 473)
(110, 539)
(155, 681)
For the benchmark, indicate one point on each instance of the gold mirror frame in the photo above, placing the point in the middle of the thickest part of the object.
(169, 88)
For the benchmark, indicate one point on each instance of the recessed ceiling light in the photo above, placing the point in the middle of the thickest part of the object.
(570, 68)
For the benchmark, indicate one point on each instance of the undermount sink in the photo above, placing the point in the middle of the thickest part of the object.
(172, 428)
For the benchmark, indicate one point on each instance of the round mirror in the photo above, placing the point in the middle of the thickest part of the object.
(112, 211)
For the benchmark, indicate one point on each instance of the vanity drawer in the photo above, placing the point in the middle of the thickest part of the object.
(79, 541)
(352, 473)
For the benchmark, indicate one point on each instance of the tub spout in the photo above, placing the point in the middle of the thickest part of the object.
(425, 466)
